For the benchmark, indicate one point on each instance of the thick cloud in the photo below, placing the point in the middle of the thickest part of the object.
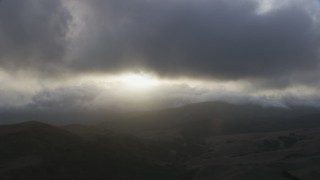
(269, 50)
(32, 34)
(220, 39)
(216, 39)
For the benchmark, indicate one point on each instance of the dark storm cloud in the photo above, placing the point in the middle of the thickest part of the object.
(32, 33)
(216, 39)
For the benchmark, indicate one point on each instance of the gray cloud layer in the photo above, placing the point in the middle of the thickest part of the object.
(218, 39)
(212, 39)
(32, 33)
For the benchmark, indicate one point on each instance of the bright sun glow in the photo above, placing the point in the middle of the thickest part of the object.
(140, 80)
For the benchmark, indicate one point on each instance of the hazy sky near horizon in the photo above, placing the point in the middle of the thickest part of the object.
(145, 54)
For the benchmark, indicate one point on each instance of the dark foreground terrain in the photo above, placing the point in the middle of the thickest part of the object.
(207, 141)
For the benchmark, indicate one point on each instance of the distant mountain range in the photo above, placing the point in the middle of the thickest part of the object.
(195, 111)
(213, 140)
(217, 118)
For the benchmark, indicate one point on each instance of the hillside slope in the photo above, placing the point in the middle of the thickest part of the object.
(35, 150)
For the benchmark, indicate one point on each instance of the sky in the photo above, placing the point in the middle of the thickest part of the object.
(133, 55)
